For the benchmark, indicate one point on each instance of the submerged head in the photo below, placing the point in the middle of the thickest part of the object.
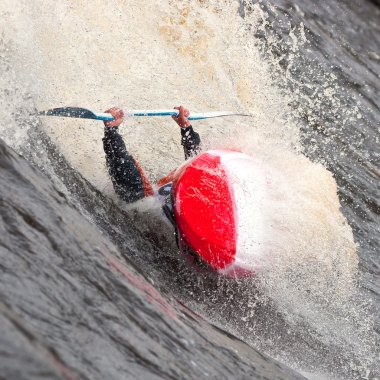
(207, 204)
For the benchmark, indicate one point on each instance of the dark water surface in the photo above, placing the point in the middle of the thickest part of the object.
(73, 307)
(343, 40)
(91, 292)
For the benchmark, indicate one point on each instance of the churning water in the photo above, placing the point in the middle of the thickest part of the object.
(312, 85)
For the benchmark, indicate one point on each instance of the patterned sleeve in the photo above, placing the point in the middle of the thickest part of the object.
(190, 141)
(128, 179)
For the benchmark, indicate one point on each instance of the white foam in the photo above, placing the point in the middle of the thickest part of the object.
(247, 178)
(201, 54)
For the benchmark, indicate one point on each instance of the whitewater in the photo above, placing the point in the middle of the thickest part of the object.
(313, 307)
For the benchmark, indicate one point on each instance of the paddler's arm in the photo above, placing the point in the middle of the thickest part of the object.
(190, 139)
(128, 179)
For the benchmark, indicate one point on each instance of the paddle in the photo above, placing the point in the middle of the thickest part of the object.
(83, 113)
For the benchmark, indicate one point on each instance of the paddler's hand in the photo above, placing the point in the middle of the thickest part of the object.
(117, 114)
(181, 119)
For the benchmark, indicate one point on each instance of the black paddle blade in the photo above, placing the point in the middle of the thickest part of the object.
(76, 112)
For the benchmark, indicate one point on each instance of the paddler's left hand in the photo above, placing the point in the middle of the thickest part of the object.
(117, 114)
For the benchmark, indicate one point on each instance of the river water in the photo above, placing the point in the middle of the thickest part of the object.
(91, 289)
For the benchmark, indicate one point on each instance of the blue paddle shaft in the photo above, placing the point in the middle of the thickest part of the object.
(83, 113)
(104, 117)
(163, 113)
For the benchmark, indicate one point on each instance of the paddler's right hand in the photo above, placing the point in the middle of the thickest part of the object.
(181, 119)
(117, 114)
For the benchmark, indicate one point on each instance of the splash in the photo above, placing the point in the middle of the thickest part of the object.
(204, 54)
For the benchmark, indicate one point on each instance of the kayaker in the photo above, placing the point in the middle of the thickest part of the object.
(202, 198)
(129, 181)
